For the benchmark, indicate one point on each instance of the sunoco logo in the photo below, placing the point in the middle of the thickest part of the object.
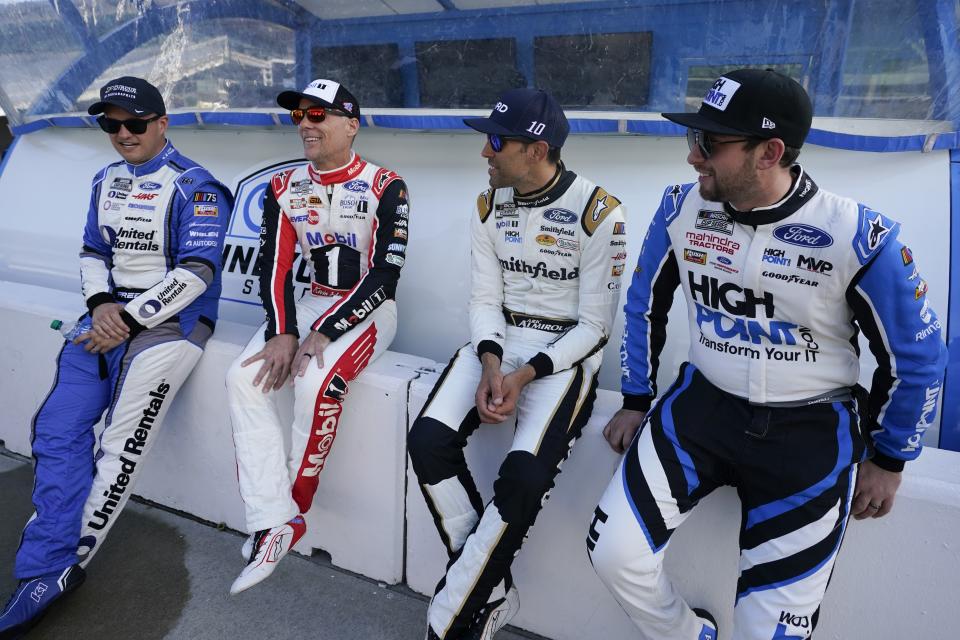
(803, 235)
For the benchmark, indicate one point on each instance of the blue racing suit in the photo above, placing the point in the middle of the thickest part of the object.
(152, 242)
(767, 402)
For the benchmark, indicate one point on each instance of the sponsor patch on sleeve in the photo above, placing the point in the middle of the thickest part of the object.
(206, 210)
(204, 196)
(484, 204)
(601, 203)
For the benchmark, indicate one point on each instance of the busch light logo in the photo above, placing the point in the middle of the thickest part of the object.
(724, 260)
(803, 235)
(356, 186)
(150, 186)
(560, 216)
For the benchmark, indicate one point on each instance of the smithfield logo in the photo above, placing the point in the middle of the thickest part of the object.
(356, 186)
(803, 235)
(560, 216)
(150, 186)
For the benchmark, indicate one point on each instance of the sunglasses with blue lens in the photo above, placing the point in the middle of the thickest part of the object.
(497, 142)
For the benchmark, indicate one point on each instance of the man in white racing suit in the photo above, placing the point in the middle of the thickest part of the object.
(349, 219)
(548, 250)
(150, 274)
(779, 277)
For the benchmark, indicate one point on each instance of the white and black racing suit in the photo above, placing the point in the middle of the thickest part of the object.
(546, 273)
(351, 226)
(776, 298)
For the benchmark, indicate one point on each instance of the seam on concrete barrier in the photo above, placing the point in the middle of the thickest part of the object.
(406, 471)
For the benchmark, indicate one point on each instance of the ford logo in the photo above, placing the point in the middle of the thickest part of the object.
(357, 186)
(150, 186)
(803, 235)
(560, 216)
(724, 260)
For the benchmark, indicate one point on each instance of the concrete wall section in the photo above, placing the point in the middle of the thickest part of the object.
(358, 513)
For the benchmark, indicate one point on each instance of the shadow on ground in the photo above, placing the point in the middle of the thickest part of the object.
(138, 585)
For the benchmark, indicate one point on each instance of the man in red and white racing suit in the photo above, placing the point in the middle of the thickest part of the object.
(349, 218)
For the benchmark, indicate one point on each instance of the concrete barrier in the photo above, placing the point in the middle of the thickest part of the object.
(358, 513)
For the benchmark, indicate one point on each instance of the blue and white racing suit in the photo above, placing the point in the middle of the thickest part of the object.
(152, 242)
(776, 298)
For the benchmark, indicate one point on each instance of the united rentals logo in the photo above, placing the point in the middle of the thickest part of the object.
(133, 447)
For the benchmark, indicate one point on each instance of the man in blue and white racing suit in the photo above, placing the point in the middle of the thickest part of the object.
(779, 277)
(150, 274)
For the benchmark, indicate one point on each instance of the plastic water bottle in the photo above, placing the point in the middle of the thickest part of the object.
(70, 330)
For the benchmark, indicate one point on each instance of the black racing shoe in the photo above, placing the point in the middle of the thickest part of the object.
(32, 599)
(710, 630)
(494, 616)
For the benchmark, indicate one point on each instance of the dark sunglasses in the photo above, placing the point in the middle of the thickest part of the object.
(136, 126)
(314, 114)
(698, 138)
(497, 142)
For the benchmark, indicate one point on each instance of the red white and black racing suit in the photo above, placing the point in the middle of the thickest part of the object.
(351, 225)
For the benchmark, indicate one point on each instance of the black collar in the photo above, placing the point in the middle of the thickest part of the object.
(552, 191)
(803, 189)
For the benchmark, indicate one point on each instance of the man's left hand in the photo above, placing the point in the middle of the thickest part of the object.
(876, 488)
(513, 383)
(311, 348)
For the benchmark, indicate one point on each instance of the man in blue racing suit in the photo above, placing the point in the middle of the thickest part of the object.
(779, 278)
(150, 274)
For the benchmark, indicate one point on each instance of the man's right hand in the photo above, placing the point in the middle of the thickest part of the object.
(106, 319)
(489, 392)
(622, 427)
(277, 356)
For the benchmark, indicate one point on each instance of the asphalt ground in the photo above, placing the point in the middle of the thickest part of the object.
(163, 575)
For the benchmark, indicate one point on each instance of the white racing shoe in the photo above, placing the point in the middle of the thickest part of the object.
(494, 616)
(269, 547)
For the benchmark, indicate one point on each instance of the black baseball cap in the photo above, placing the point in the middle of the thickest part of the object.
(758, 103)
(529, 113)
(326, 93)
(133, 94)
